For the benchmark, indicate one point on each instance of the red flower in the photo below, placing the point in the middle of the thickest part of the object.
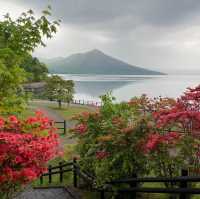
(171, 137)
(18, 159)
(23, 156)
(29, 174)
(152, 142)
(32, 120)
(13, 119)
(81, 128)
(39, 113)
(2, 122)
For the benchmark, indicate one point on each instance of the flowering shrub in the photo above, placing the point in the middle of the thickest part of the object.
(182, 124)
(25, 148)
(159, 135)
(109, 140)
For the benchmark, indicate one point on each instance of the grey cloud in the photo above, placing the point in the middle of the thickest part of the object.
(131, 12)
(159, 34)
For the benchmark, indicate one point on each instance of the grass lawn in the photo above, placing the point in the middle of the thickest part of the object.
(69, 112)
(65, 112)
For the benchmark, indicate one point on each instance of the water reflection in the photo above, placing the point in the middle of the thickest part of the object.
(90, 87)
(96, 89)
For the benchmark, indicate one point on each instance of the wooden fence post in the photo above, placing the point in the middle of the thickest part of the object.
(75, 173)
(65, 127)
(50, 175)
(102, 194)
(183, 185)
(134, 185)
(41, 179)
(61, 171)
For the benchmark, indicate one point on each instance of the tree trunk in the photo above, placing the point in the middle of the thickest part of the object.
(60, 104)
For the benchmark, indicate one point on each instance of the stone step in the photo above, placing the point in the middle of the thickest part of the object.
(45, 193)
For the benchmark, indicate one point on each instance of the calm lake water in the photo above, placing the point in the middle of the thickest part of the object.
(124, 87)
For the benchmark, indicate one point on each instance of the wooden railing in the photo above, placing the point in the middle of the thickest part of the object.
(63, 167)
(83, 102)
(66, 167)
(63, 127)
(182, 185)
(87, 102)
(134, 184)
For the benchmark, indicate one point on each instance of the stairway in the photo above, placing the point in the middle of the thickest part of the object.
(46, 193)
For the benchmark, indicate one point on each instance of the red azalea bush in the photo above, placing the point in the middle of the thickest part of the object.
(159, 135)
(180, 124)
(25, 148)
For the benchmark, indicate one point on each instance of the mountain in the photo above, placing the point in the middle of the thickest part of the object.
(95, 62)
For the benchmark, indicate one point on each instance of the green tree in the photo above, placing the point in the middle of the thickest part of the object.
(12, 96)
(18, 39)
(59, 89)
(37, 70)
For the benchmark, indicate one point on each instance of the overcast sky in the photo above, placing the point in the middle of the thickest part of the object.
(157, 34)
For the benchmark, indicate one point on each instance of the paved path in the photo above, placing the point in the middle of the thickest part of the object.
(50, 193)
(43, 106)
(47, 111)
(54, 115)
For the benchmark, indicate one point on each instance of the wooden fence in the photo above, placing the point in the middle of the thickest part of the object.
(82, 102)
(182, 188)
(66, 167)
(63, 167)
(87, 102)
(62, 125)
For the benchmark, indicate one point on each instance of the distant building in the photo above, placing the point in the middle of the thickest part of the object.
(35, 88)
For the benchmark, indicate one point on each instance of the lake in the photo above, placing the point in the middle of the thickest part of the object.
(124, 87)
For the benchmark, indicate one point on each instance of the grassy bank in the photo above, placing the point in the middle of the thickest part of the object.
(68, 112)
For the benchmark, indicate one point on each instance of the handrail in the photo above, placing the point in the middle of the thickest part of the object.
(56, 172)
(183, 190)
(162, 190)
(64, 128)
(158, 179)
(63, 165)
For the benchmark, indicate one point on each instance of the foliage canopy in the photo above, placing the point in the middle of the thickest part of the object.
(36, 70)
(59, 89)
(19, 38)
